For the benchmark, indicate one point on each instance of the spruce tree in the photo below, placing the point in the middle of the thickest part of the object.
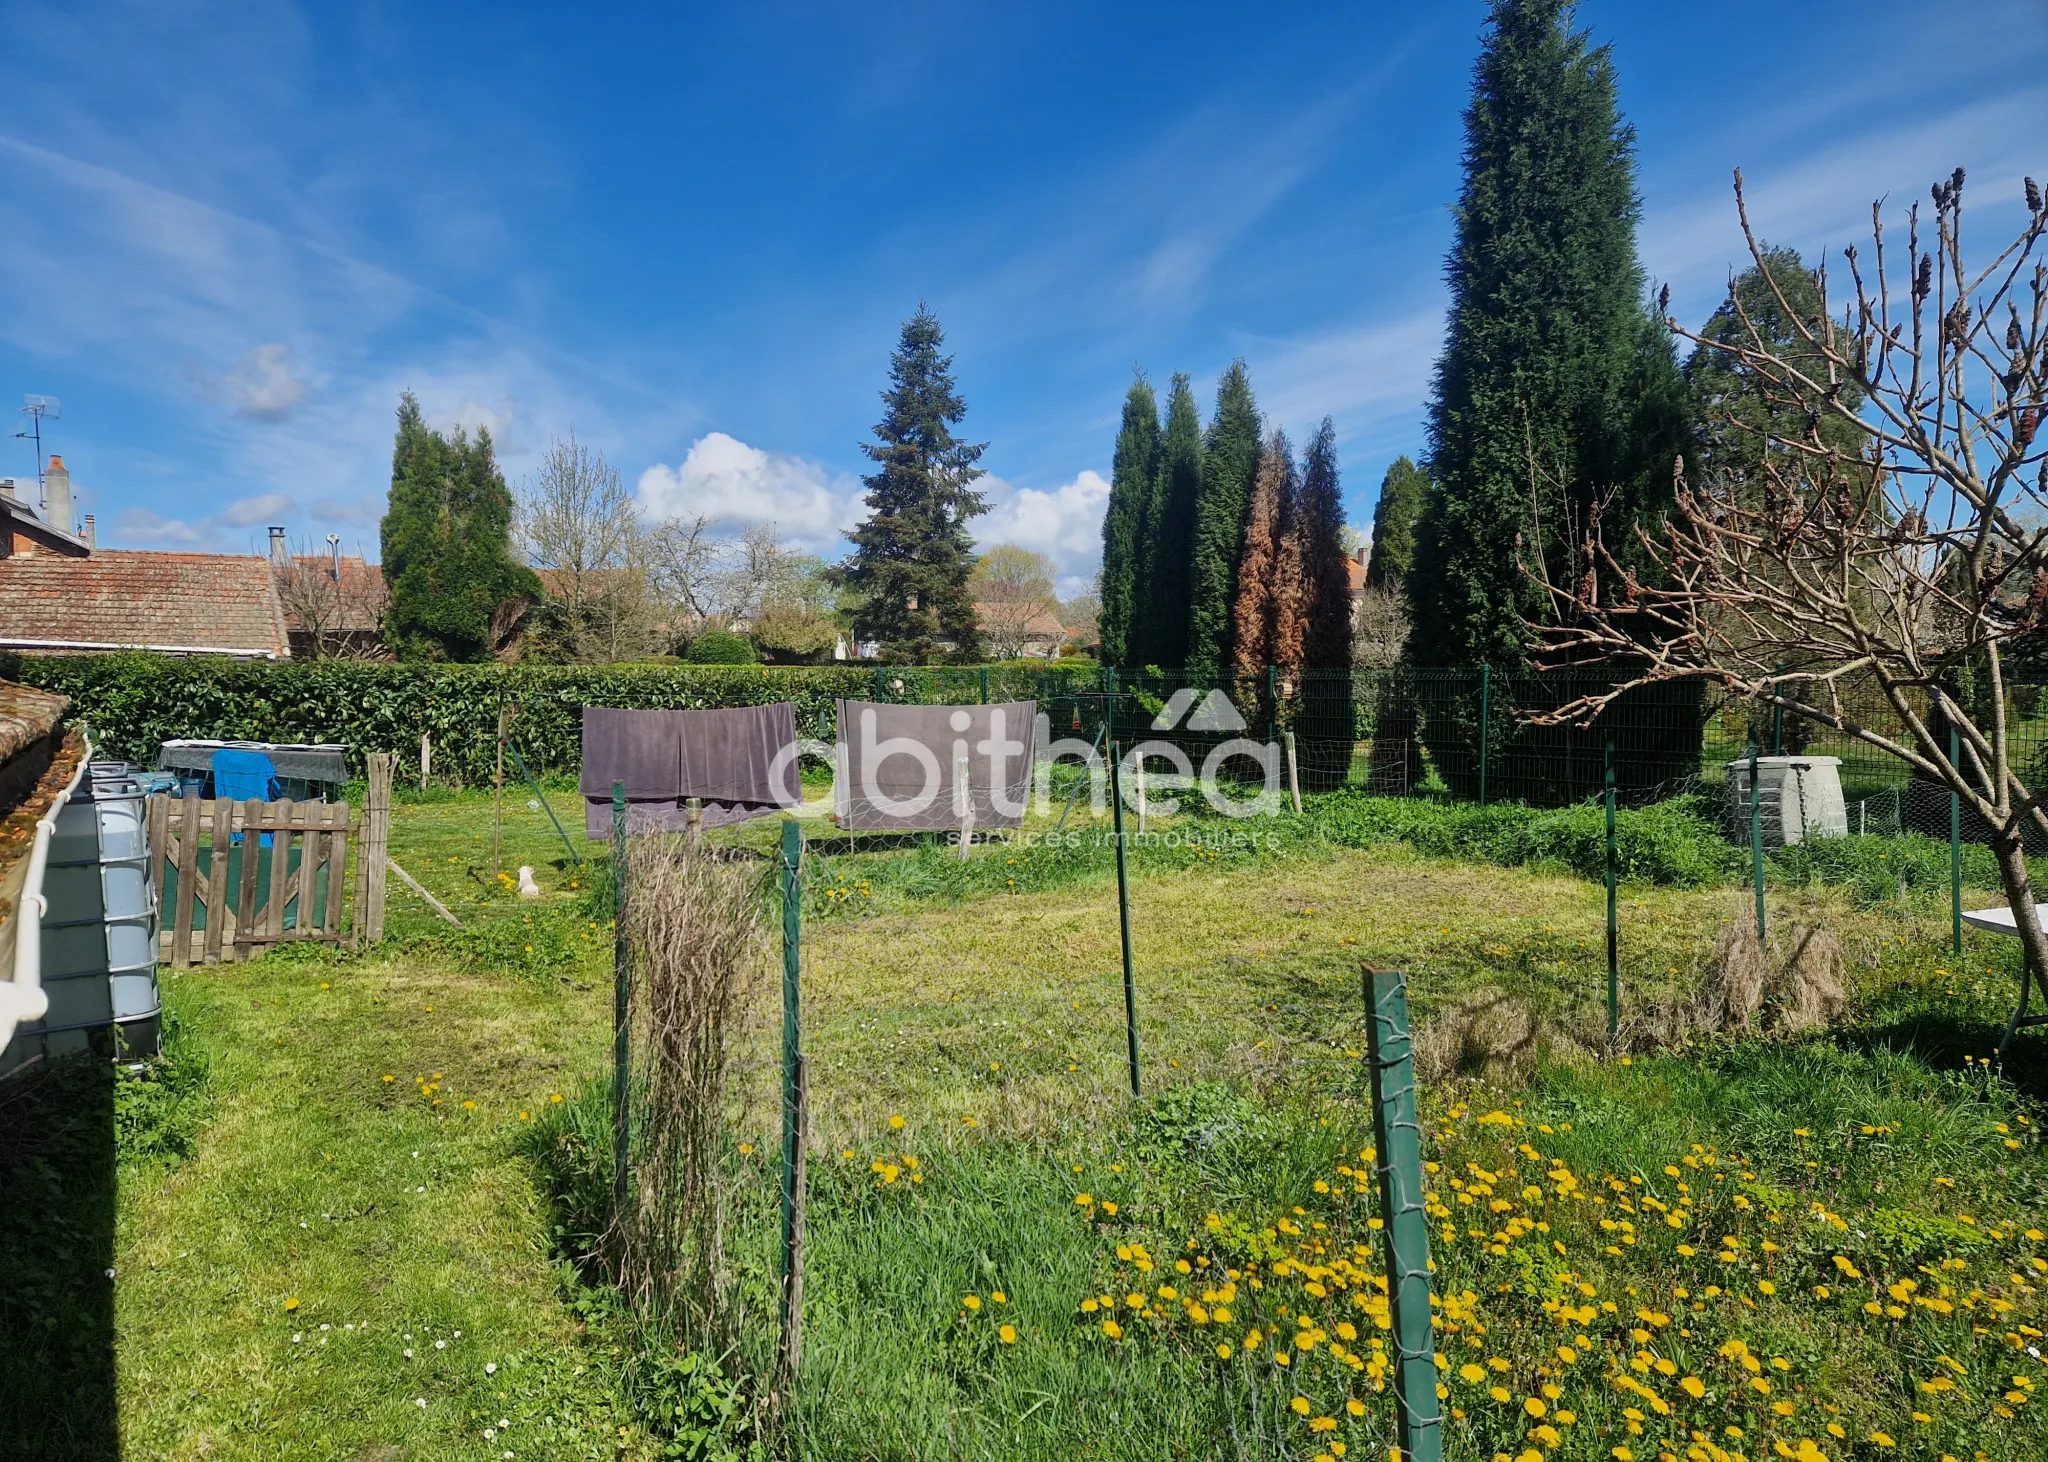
(1230, 460)
(1126, 526)
(455, 589)
(912, 556)
(1160, 611)
(1556, 389)
(1260, 586)
(1402, 492)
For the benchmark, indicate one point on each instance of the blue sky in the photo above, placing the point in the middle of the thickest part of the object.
(231, 234)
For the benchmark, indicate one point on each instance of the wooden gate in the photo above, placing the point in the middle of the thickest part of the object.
(233, 879)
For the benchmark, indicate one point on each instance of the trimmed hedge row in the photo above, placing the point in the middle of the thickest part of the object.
(136, 701)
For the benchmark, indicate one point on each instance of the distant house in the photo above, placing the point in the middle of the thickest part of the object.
(62, 594)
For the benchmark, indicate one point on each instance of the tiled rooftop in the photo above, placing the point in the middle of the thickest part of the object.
(116, 599)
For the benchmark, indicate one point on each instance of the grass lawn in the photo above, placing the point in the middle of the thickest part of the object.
(284, 1223)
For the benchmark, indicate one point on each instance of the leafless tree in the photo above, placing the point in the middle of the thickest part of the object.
(1014, 600)
(1901, 570)
(1379, 626)
(581, 532)
(333, 604)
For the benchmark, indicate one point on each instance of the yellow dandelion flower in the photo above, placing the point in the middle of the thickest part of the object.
(1007, 1334)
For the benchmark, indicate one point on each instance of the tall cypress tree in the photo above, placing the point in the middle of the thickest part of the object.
(1402, 492)
(1160, 612)
(1325, 719)
(1556, 388)
(1127, 525)
(1317, 526)
(455, 589)
(1261, 577)
(1230, 460)
(912, 555)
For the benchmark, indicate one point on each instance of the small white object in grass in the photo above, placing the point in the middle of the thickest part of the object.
(440, 1345)
(491, 1369)
(528, 889)
(532, 805)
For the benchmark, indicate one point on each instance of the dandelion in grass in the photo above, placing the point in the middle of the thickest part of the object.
(1007, 1334)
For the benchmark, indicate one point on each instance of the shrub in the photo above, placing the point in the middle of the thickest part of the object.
(721, 647)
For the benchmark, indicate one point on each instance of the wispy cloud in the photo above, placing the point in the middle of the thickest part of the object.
(738, 486)
(1064, 523)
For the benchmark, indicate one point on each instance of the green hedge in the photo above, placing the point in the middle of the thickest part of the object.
(136, 701)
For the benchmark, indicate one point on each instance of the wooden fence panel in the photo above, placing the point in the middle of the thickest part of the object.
(237, 907)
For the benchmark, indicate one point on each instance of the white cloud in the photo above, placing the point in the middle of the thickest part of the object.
(262, 384)
(268, 508)
(738, 486)
(141, 527)
(1064, 524)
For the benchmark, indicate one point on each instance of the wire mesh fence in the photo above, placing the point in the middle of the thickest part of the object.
(1467, 734)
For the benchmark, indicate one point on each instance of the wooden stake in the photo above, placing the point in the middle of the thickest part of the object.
(965, 792)
(1293, 776)
(413, 883)
(426, 758)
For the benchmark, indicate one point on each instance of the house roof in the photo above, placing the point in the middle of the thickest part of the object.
(1354, 570)
(189, 603)
(1043, 623)
(357, 604)
(27, 715)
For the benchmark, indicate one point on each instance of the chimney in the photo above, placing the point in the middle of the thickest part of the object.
(57, 495)
(280, 556)
(90, 535)
(7, 490)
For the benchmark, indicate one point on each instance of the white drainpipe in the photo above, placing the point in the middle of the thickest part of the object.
(23, 997)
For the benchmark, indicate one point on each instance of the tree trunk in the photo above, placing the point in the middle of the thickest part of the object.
(2011, 852)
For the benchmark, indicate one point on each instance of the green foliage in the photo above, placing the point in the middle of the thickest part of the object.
(1402, 493)
(1230, 462)
(447, 548)
(1127, 525)
(1733, 410)
(1556, 388)
(159, 1104)
(912, 555)
(1674, 842)
(134, 702)
(537, 945)
(1159, 614)
(721, 647)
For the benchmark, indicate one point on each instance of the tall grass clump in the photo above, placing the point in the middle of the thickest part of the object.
(696, 931)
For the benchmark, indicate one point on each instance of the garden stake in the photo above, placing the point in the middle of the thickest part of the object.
(1756, 840)
(1397, 1132)
(498, 792)
(1123, 912)
(1955, 846)
(622, 984)
(542, 798)
(1485, 724)
(792, 1091)
(1293, 773)
(1613, 949)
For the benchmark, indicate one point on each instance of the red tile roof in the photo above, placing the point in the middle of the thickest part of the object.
(27, 715)
(189, 602)
(356, 604)
(1354, 569)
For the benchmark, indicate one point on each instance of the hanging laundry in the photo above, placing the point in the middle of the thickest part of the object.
(920, 768)
(740, 763)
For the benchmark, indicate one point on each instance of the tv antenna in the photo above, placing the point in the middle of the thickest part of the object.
(36, 409)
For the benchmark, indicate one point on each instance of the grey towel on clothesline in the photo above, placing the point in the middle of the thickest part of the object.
(725, 758)
(898, 767)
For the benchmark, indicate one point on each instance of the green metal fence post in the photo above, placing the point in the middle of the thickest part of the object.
(1613, 943)
(984, 685)
(1756, 838)
(1397, 1132)
(1485, 725)
(1123, 911)
(1955, 845)
(1272, 703)
(792, 1058)
(1109, 705)
(880, 684)
(622, 984)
